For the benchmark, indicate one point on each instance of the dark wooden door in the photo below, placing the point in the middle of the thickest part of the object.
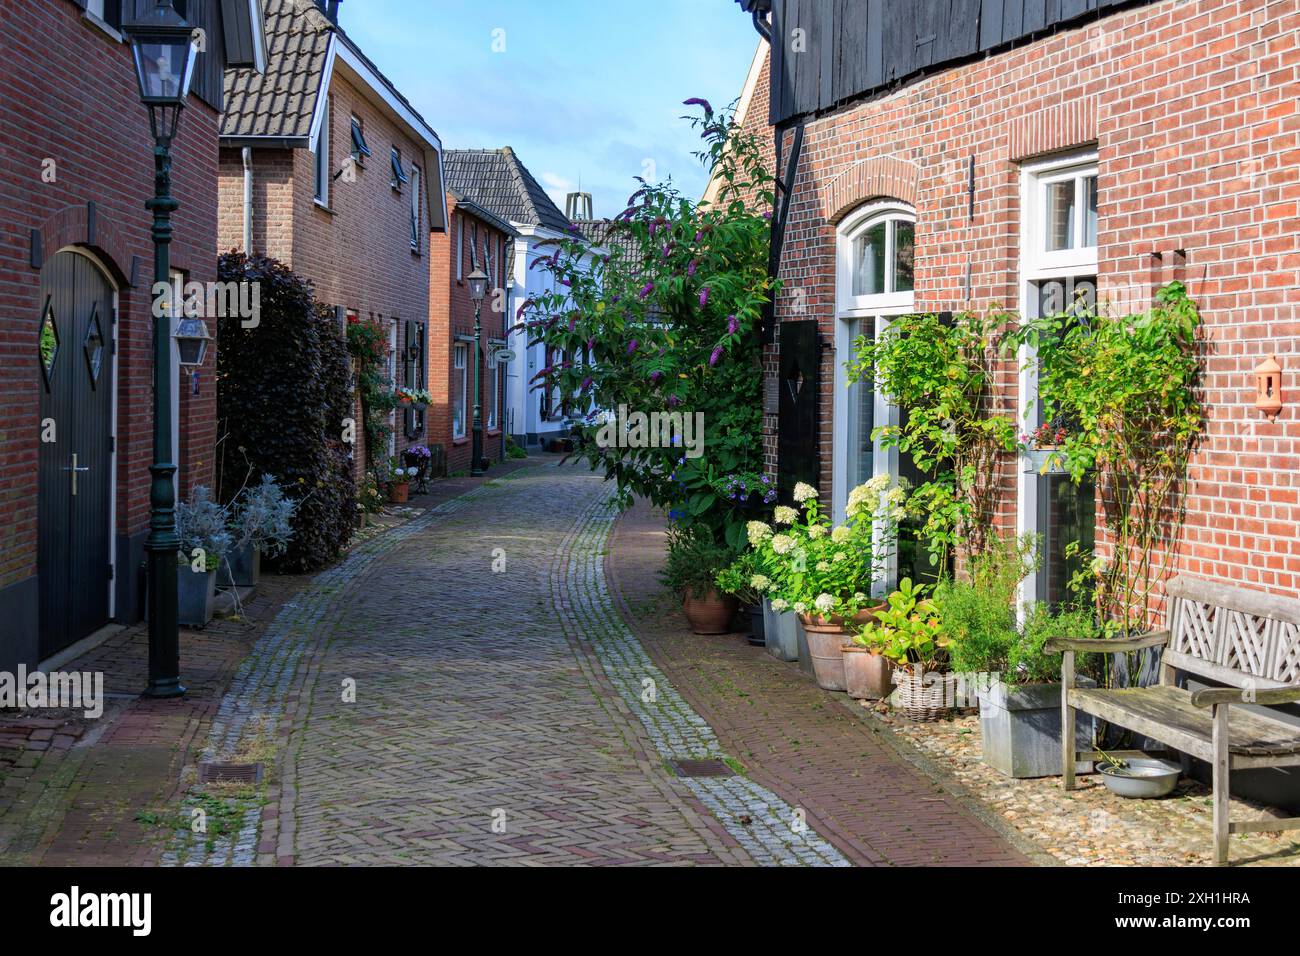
(800, 388)
(74, 479)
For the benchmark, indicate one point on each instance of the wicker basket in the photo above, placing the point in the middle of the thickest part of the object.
(924, 696)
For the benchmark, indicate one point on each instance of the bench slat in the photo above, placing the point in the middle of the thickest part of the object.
(1168, 714)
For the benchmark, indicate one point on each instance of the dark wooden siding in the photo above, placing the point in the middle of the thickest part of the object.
(210, 64)
(852, 48)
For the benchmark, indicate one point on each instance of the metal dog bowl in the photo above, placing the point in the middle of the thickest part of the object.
(1142, 778)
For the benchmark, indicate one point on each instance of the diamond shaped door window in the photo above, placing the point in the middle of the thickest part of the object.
(49, 342)
(93, 346)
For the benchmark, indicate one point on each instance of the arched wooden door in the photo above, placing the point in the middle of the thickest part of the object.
(74, 503)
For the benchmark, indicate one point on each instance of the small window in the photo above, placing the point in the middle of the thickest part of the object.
(360, 149)
(322, 149)
(415, 208)
(399, 175)
(460, 247)
(460, 384)
(881, 254)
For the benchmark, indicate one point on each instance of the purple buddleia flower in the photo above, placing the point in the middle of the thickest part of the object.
(699, 235)
(732, 325)
(586, 383)
(698, 101)
(704, 297)
(717, 354)
(566, 282)
(653, 227)
(767, 216)
(656, 376)
(573, 321)
(690, 268)
(673, 401)
(631, 346)
(591, 343)
(647, 289)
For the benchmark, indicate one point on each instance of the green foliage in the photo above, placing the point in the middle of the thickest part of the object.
(694, 560)
(670, 326)
(1128, 388)
(738, 578)
(942, 373)
(1027, 663)
(979, 613)
(514, 451)
(367, 343)
(908, 630)
(282, 397)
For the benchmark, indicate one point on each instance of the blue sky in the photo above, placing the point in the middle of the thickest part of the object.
(584, 90)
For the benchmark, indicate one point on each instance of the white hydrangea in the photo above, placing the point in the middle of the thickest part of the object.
(758, 533)
(859, 598)
(825, 603)
(823, 566)
(759, 583)
(839, 556)
(784, 514)
(782, 544)
(841, 534)
(780, 604)
(804, 492)
(801, 608)
(817, 531)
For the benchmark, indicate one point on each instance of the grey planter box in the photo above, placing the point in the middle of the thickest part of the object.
(196, 591)
(1021, 727)
(779, 635)
(241, 568)
(804, 655)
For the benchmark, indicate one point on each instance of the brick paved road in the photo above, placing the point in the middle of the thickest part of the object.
(473, 708)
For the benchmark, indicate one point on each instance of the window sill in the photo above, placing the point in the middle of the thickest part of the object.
(493, 432)
(322, 206)
(103, 26)
(463, 440)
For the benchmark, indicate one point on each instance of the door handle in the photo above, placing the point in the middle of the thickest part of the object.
(74, 469)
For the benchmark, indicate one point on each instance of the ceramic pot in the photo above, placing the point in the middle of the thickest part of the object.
(399, 492)
(824, 643)
(709, 613)
(868, 674)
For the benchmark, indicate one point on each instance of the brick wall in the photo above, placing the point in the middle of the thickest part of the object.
(1192, 109)
(358, 252)
(81, 109)
(451, 315)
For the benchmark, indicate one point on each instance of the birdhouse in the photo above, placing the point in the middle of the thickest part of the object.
(1268, 388)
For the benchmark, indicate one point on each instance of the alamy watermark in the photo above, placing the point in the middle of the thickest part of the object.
(203, 300)
(684, 430)
(76, 690)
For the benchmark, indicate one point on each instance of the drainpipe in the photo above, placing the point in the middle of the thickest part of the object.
(248, 200)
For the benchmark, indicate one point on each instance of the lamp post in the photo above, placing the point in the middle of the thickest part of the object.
(478, 282)
(163, 48)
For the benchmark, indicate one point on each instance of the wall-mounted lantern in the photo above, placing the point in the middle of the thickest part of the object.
(1268, 388)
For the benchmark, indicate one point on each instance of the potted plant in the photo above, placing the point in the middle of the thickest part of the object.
(908, 632)
(419, 457)
(260, 523)
(744, 581)
(204, 542)
(1044, 447)
(694, 560)
(399, 481)
(828, 571)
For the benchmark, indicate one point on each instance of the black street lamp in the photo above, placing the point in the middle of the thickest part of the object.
(163, 47)
(478, 283)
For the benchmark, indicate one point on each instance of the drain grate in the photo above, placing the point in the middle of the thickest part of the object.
(702, 768)
(217, 772)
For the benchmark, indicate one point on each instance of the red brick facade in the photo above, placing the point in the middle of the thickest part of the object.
(1192, 109)
(76, 134)
(451, 321)
(357, 251)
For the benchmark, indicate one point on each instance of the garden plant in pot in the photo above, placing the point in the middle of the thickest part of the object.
(399, 481)
(827, 571)
(694, 560)
(260, 524)
(744, 581)
(201, 526)
(908, 631)
(1018, 684)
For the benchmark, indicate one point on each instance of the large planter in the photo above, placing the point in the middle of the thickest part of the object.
(824, 643)
(780, 633)
(399, 492)
(241, 568)
(196, 592)
(868, 674)
(754, 616)
(709, 613)
(924, 696)
(1021, 727)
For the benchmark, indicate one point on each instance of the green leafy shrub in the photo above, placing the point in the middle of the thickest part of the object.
(282, 398)
(694, 560)
(908, 630)
(979, 613)
(1028, 663)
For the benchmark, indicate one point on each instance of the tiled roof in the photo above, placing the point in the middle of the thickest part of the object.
(465, 203)
(498, 181)
(281, 101)
(608, 233)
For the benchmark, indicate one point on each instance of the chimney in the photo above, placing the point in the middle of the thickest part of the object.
(331, 9)
(577, 206)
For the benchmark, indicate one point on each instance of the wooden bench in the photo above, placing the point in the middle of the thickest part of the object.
(1245, 639)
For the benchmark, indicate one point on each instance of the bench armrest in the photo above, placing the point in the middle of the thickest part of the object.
(1265, 696)
(1102, 645)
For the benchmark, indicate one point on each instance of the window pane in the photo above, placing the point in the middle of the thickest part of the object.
(1060, 212)
(862, 419)
(869, 261)
(1090, 222)
(904, 254)
(1066, 513)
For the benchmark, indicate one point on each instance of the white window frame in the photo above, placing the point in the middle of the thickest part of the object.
(850, 308)
(495, 405)
(460, 363)
(321, 149)
(1039, 265)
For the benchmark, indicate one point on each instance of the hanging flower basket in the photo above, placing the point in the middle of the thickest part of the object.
(1045, 461)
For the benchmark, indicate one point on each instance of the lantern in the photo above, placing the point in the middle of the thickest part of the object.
(1268, 388)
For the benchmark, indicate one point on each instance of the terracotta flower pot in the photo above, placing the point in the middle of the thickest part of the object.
(399, 492)
(709, 613)
(868, 674)
(824, 643)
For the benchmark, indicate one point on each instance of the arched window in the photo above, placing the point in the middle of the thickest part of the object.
(875, 252)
